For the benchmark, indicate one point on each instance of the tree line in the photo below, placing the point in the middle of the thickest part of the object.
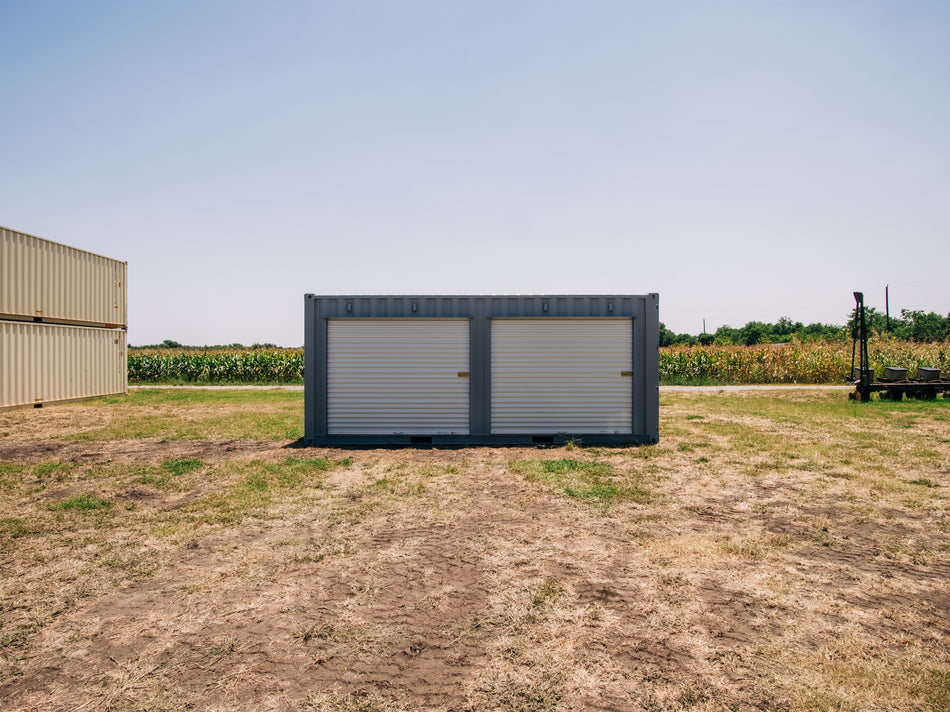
(170, 344)
(912, 325)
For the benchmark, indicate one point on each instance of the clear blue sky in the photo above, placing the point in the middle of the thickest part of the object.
(746, 160)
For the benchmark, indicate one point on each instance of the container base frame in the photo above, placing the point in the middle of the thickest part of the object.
(559, 439)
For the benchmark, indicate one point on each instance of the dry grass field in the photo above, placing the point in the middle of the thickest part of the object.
(776, 551)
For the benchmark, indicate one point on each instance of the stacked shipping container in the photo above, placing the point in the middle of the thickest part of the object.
(62, 322)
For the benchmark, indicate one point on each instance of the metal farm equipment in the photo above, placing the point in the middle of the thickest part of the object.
(894, 384)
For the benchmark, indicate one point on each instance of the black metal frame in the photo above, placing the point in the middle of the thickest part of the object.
(864, 386)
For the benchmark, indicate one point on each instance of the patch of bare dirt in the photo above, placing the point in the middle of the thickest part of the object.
(140, 451)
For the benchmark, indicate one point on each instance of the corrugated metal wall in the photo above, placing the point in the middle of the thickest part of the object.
(45, 363)
(41, 279)
(561, 375)
(398, 376)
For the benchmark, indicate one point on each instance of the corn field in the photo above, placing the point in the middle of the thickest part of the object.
(817, 362)
(802, 362)
(226, 366)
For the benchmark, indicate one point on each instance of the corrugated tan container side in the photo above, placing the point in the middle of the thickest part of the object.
(49, 363)
(41, 279)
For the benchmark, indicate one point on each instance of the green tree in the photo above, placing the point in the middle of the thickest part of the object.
(786, 327)
(667, 337)
(927, 327)
(753, 332)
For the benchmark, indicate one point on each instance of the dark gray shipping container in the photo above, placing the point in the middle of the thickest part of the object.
(468, 370)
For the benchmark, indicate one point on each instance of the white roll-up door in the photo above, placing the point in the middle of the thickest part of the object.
(398, 376)
(561, 375)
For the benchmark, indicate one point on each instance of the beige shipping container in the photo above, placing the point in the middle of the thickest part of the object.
(41, 280)
(50, 363)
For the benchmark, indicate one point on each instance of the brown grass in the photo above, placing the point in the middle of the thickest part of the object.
(775, 551)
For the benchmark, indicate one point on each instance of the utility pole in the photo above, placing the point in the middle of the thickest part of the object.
(887, 307)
